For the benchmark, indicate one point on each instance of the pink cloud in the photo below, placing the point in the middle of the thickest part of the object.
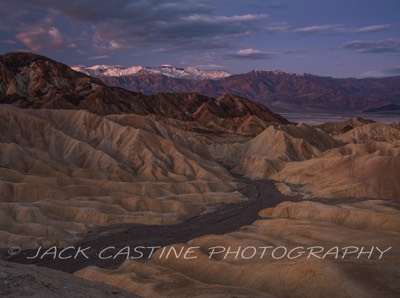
(39, 39)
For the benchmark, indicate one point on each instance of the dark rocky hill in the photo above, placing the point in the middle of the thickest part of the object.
(33, 81)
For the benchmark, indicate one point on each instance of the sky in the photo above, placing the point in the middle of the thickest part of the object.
(338, 38)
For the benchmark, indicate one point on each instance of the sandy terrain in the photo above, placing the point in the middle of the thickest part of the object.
(350, 198)
(19, 281)
(306, 224)
(72, 176)
(65, 172)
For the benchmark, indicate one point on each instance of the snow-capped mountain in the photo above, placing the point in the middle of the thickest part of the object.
(281, 89)
(166, 70)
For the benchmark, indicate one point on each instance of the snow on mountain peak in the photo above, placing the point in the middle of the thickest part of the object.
(165, 69)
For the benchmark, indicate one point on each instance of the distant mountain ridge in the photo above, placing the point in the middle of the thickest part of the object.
(278, 89)
(192, 73)
(36, 82)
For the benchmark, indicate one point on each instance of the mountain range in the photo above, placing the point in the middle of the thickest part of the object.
(191, 73)
(87, 166)
(33, 81)
(280, 90)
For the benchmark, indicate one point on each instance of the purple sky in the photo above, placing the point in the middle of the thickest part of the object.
(338, 38)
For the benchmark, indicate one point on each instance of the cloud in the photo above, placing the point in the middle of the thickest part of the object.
(338, 28)
(184, 24)
(388, 72)
(102, 44)
(319, 29)
(227, 19)
(373, 28)
(381, 46)
(99, 57)
(33, 38)
(209, 66)
(277, 27)
(44, 39)
(257, 4)
(253, 54)
(205, 60)
(8, 42)
(11, 11)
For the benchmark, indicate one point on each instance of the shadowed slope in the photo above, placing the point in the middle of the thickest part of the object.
(33, 81)
(63, 172)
